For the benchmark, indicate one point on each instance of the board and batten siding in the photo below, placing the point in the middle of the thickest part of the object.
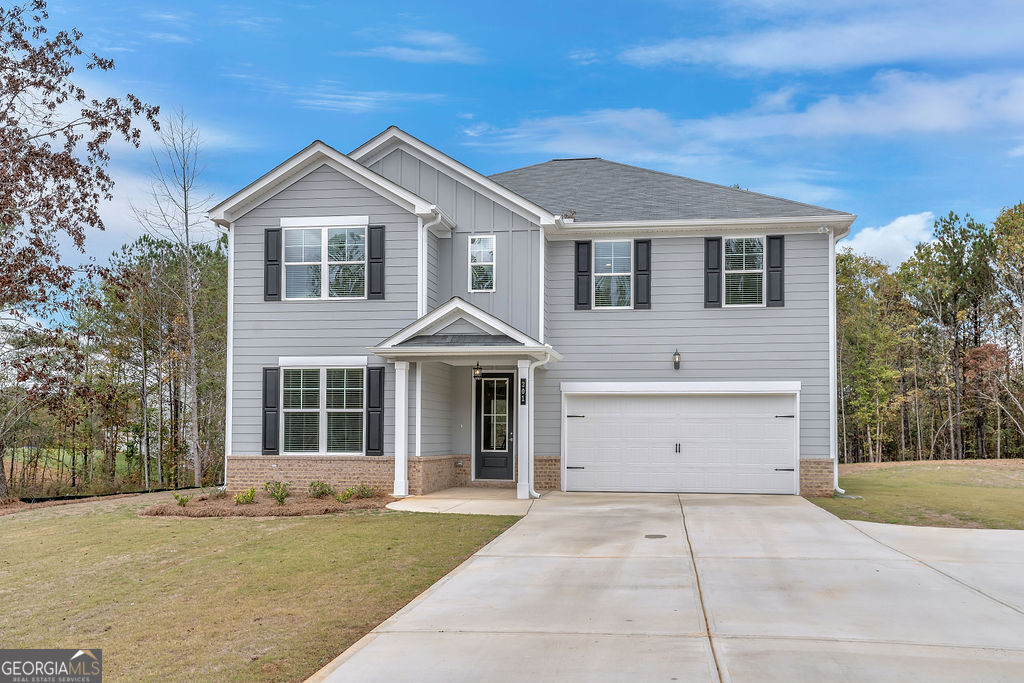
(517, 269)
(716, 344)
(265, 330)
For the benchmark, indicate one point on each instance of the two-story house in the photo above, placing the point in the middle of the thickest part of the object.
(398, 319)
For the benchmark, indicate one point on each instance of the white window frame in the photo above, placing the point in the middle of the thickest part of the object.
(493, 264)
(594, 275)
(321, 412)
(324, 262)
(762, 270)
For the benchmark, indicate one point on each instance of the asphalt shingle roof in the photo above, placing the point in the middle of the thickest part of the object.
(601, 190)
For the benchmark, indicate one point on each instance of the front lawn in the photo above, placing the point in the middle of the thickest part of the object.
(215, 599)
(948, 493)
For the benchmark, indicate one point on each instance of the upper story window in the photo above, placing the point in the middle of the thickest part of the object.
(481, 263)
(312, 253)
(323, 410)
(613, 274)
(744, 271)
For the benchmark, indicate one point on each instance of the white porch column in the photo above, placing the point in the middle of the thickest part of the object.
(401, 428)
(524, 439)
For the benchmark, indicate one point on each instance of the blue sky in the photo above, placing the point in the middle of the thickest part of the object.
(894, 111)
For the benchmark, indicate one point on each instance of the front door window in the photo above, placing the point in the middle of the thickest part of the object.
(495, 414)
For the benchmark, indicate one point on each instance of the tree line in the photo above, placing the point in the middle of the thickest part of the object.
(931, 354)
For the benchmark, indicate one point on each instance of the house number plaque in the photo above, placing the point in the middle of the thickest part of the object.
(522, 392)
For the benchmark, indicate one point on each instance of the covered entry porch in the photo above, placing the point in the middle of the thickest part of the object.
(467, 378)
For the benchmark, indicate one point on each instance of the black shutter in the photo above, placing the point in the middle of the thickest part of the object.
(775, 270)
(271, 409)
(642, 274)
(712, 272)
(375, 410)
(272, 264)
(582, 276)
(375, 262)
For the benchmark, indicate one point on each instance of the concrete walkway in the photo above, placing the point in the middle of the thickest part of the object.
(609, 587)
(466, 501)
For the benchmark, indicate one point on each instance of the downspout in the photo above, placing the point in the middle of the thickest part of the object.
(530, 398)
(833, 387)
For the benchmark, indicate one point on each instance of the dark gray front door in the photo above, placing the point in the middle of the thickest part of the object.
(494, 411)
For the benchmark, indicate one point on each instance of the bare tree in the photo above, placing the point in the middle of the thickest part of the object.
(174, 212)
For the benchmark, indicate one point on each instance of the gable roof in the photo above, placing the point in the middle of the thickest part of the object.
(313, 156)
(600, 190)
(394, 137)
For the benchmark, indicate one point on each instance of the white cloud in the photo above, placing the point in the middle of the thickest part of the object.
(851, 35)
(894, 242)
(163, 37)
(426, 47)
(1017, 151)
(332, 96)
(585, 56)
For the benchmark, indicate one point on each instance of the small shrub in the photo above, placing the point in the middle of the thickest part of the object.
(321, 489)
(361, 491)
(218, 493)
(245, 497)
(278, 490)
(182, 500)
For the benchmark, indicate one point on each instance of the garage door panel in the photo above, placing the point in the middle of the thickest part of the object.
(727, 444)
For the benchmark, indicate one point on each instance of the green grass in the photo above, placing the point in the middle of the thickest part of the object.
(972, 493)
(217, 599)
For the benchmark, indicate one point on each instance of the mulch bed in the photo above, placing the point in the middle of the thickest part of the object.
(264, 506)
(19, 506)
(1005, 463)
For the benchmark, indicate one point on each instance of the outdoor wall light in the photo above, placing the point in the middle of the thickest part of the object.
(676, 359)
(478, 371)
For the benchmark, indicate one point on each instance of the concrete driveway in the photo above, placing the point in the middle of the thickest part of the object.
(644, 587)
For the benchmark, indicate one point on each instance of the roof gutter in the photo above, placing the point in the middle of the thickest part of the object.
(839, 222)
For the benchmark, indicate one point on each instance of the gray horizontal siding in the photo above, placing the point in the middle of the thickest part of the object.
(517, 271)
(265, 330)
(728, 344)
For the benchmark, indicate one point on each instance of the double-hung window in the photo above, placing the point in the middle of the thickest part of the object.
(481, 263)
(323, 410)
(613, 274)
(325, 263)
(744, 271)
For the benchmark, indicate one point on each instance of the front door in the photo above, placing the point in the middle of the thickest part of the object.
(494, 426)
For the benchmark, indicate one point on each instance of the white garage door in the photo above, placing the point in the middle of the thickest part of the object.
(673, 443)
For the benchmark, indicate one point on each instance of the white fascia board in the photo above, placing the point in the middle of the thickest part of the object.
(447, 352)
(469, 311)
(569, 230)
(387, 141)
(680, 387)
(321, 361)
(304, 162)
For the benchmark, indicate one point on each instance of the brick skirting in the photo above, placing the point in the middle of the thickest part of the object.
(816, 477)
(547, 473)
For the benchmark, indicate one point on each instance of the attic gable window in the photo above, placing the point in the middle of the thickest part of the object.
(310, 253)
(481, 263)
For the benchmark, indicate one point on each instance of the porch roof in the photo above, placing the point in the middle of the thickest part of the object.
(489, 339)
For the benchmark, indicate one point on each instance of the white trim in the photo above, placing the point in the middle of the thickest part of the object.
(306, 160)
(593, 270)
(393, 137)
(456, 307)
(522, 466)
(324, 263)
(421, 269)
(401, 428)
(763, 270)
(229, 354)
(833, 388)
(325, 221)
(322, 361)
(753, 387)
(541, 301)
(682, 389)
(480, 352)
(493, 263)
(570, 230)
